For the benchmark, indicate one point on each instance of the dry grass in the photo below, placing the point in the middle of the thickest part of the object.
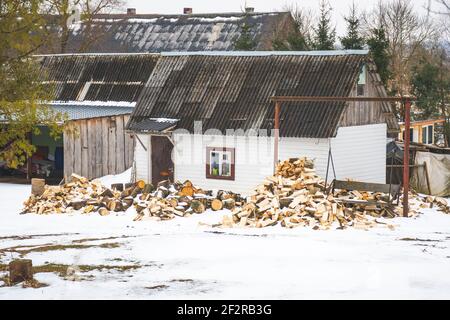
(65, 271)
(52, 247)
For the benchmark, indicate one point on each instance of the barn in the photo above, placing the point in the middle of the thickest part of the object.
(97, 93)
(207, 117)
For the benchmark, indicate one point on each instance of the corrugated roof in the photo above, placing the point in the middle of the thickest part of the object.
(77, 112)
(157, 33)
(232, 92)
(156, 125)
(97, 77)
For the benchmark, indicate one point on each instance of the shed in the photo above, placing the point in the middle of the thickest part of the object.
(97, 92)
(207, 117)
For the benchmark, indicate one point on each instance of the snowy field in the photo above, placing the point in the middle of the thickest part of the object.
(112, 257)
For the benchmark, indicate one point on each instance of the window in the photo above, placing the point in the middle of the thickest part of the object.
(360, 89)
(411, 134)
(427, 134)
(430, 134)
(220, 163)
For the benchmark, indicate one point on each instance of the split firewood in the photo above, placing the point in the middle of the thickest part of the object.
(103, 211)
(197, 206)
(216, 204)
(229, 203)
(148, 188)
(187, 189)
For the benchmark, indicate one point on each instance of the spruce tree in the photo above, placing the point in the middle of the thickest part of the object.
(353, 39)
(379, 45)
(245, 42)
(324, 33)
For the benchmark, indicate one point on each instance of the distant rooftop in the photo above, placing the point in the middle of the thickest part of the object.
(164, 33)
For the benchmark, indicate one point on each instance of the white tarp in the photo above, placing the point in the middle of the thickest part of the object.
(438, 166)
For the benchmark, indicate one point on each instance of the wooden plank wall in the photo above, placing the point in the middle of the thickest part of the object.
(363, 113)
(98, 147)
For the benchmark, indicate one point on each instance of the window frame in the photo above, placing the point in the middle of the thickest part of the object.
(232, 151)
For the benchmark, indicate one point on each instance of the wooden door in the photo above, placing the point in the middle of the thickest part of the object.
(162, 164)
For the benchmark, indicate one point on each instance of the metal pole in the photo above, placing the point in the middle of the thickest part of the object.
(406, 158)
(276, 135)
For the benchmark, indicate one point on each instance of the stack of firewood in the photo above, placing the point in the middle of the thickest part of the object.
(86, 196)
(165, 201)
(183, 200)
(295, 196)
(422, 202)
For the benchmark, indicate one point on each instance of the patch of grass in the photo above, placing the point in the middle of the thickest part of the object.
(157, 287)
(182, 280)
(98, 239)
(53, 247)
(62, 269)
(31, 236)
(417, 239)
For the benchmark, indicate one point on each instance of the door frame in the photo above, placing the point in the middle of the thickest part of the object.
(150, 154)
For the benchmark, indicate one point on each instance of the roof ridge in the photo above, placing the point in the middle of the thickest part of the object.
(193, 15)
(266, 53)
(93, 54)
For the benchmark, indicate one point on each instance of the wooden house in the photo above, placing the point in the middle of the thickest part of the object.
(207, 117)
(422, 131)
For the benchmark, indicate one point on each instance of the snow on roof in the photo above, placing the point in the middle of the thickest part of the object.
(268, 53)
(126, 104)
(159, 33)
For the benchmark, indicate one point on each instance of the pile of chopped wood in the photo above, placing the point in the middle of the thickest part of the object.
(164, 202)
(423, 202)
(295, 196)
(183, 200)
(84, 195)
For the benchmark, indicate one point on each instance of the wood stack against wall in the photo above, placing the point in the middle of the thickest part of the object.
(97, 147)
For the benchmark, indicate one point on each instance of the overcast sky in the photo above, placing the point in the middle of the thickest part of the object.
(205, 6)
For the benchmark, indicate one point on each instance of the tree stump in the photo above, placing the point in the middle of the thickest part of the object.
(20, 270)
(37, 186)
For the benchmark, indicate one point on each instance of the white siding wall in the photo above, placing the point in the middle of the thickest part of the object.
(253, 161)
(142, 157)
(359, 153)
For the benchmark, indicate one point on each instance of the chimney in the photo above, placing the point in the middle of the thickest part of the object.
(187, 11)
(249, 10)
(131, 11)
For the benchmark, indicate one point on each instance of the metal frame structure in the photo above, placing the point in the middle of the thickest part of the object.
(405, 100)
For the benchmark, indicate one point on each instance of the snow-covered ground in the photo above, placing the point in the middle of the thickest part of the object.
(184, 259)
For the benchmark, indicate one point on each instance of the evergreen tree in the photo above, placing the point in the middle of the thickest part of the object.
(295, 41)
(353, 39)
(324, 33)
(21, 91)
(245, 42)
(379, 45)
